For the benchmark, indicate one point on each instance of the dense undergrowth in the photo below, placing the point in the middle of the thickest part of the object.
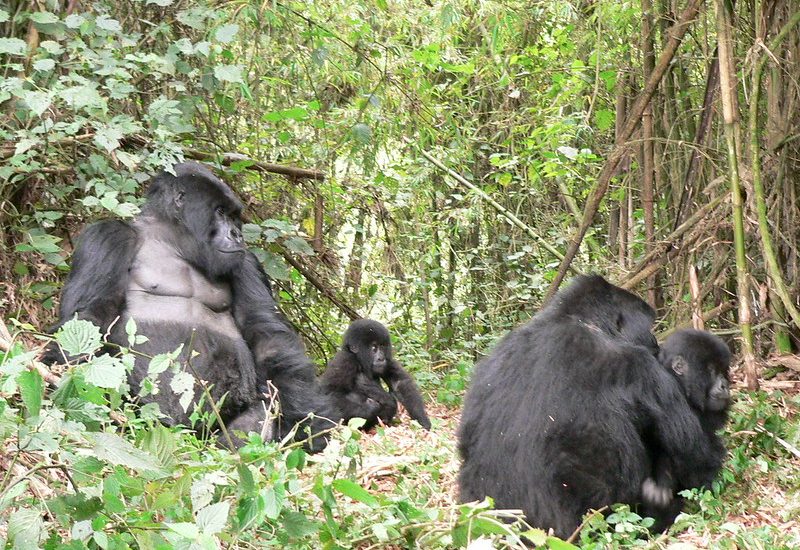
(83, 468)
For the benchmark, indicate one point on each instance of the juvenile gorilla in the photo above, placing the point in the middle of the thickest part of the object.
(182, 272)
(353, 378)
(700, 362)
(560, 417)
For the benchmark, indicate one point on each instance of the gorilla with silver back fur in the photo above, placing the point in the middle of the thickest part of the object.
(181, 270)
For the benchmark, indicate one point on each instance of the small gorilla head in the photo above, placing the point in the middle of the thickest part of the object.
(700, 361)
(207, 211)
(369, 341)
(617, 312)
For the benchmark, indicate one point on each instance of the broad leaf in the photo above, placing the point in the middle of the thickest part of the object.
(115, 450)
(78, 337)
(212, 519)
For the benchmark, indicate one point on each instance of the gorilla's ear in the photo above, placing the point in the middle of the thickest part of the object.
(679, 365)
(179, 194)
(352, 349)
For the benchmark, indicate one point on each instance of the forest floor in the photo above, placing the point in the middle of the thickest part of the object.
(759, 508)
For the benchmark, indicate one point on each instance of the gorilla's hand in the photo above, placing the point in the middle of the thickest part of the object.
(656, 495)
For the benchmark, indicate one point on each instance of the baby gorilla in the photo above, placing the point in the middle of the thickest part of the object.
(700, 362)
(353, 378)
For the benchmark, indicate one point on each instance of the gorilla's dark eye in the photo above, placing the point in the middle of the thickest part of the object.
(219, 211)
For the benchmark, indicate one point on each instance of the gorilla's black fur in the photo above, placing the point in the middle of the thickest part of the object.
(700, 362)
(182, 272)
(560, 418)
(353, 378)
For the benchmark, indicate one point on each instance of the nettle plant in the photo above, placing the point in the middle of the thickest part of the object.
(96, 101)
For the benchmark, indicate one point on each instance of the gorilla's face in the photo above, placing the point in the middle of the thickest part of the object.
(213, 218)
(369, 341)
(701, 361)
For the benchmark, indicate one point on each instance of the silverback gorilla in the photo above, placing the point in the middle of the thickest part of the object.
(700, 362)
(353, 378)
(561, 417)
(182, 272)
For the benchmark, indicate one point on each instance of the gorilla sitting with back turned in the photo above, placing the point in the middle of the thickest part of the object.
(181, 270)
(700, 362)
(561, 417)
(353, 378)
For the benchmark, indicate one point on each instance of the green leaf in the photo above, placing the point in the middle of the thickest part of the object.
(31, 387)
(537, 536)
(604, 119)
(229, 73)
(3, 16)
(485, 526)
(247, 484)
(362, 133)
(273, 502)
(161, 443)
(108, 24)
(558, 544)
(12, 46)
(296, 460)
(52, 47)
(26, 528)
(44, 65)
(108, 137)
(82, 97)
(186, 530)
(159, 363)
(11, 493)
(115, 450)
(297, 525)
(294, 113)
(78, 337)
(355, 491)
(250, 511)
(76, 506)
(104, 371)
(130, 331)
(212, 519)
(37, 102)
(44, 243)
(74, 20)
(25, 144)
(226, 33)
(44, 17)
(183, 384)
(193, 17)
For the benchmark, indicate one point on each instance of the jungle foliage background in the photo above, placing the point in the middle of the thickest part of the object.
(438, 165)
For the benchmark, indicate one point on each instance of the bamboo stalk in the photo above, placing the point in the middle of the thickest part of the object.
(768, 251)
(648, 147)
(730, 118)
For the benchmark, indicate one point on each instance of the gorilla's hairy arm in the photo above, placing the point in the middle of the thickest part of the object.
(407, 392)
(96, 286)
(277, 350)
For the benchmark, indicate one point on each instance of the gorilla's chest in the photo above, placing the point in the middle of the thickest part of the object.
(163, 287)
